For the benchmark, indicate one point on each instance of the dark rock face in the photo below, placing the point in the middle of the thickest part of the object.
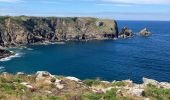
(145, 32)
(125, 33)
(5, 53)
(24, 30)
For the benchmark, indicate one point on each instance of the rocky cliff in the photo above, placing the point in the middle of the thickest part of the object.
(24, 30)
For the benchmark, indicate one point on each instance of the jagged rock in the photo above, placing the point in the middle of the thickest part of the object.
(5, 53)
(125, 33)
(145, 32)
(44, 77)
(165, 85)
(58, 84)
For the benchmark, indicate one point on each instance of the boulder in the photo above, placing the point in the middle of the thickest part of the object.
(99, 24)
(136, 92)
(58, 84)
(44, 77)
(125, 33)
(145, 32)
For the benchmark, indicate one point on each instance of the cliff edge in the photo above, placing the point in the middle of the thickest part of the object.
(23, 30)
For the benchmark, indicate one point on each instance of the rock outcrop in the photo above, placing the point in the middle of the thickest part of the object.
(24, 30)
(125, 33)
(5, 53)
(145, 32)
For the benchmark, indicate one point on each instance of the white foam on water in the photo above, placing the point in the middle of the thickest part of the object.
(2, 68)
(29, 49)
(17, 55)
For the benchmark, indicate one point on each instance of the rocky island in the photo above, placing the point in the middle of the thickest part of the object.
(45, 86)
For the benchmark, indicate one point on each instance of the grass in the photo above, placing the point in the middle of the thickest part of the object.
(120, 83)
(17, 79)
(91, 82)
(11, 89)
(109, 95)
(157, 93)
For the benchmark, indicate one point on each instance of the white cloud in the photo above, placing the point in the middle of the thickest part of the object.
(10, 1)
(139, 1)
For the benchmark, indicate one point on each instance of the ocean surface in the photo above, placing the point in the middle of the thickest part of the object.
(108, 60)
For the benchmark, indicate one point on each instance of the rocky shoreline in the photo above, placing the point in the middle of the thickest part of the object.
(46, 86)
(24, 30)
(5, 53)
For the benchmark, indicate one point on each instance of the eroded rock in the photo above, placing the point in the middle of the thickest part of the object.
(5, 53)
(145, 32)
(125, 33)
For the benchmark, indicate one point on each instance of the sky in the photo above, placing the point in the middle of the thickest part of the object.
(112, 9)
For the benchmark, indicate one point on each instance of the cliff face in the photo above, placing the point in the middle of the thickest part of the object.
(27, 30)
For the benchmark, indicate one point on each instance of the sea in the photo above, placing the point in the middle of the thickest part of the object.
(109, 60)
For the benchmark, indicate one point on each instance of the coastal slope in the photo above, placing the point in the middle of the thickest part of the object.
(23, 30)
(45, 86)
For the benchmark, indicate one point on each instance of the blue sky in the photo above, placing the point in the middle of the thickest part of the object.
(117, 9)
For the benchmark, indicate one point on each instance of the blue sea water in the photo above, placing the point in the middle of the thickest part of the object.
(109, 60)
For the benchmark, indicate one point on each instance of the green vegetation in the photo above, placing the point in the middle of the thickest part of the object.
(17, 79)
(120, 83)
(2, 18)
(157, 93)
(92, 82)
(12, 89)
(109, 95)
(53, 98)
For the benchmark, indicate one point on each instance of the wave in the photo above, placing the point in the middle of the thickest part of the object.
(17, 55)
(29, 49)
(2, 68)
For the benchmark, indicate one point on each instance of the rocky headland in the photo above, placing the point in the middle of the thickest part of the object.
(45, 86)
(23, 30)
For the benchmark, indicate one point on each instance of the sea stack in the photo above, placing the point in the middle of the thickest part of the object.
(145, 32)
(125, 33)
